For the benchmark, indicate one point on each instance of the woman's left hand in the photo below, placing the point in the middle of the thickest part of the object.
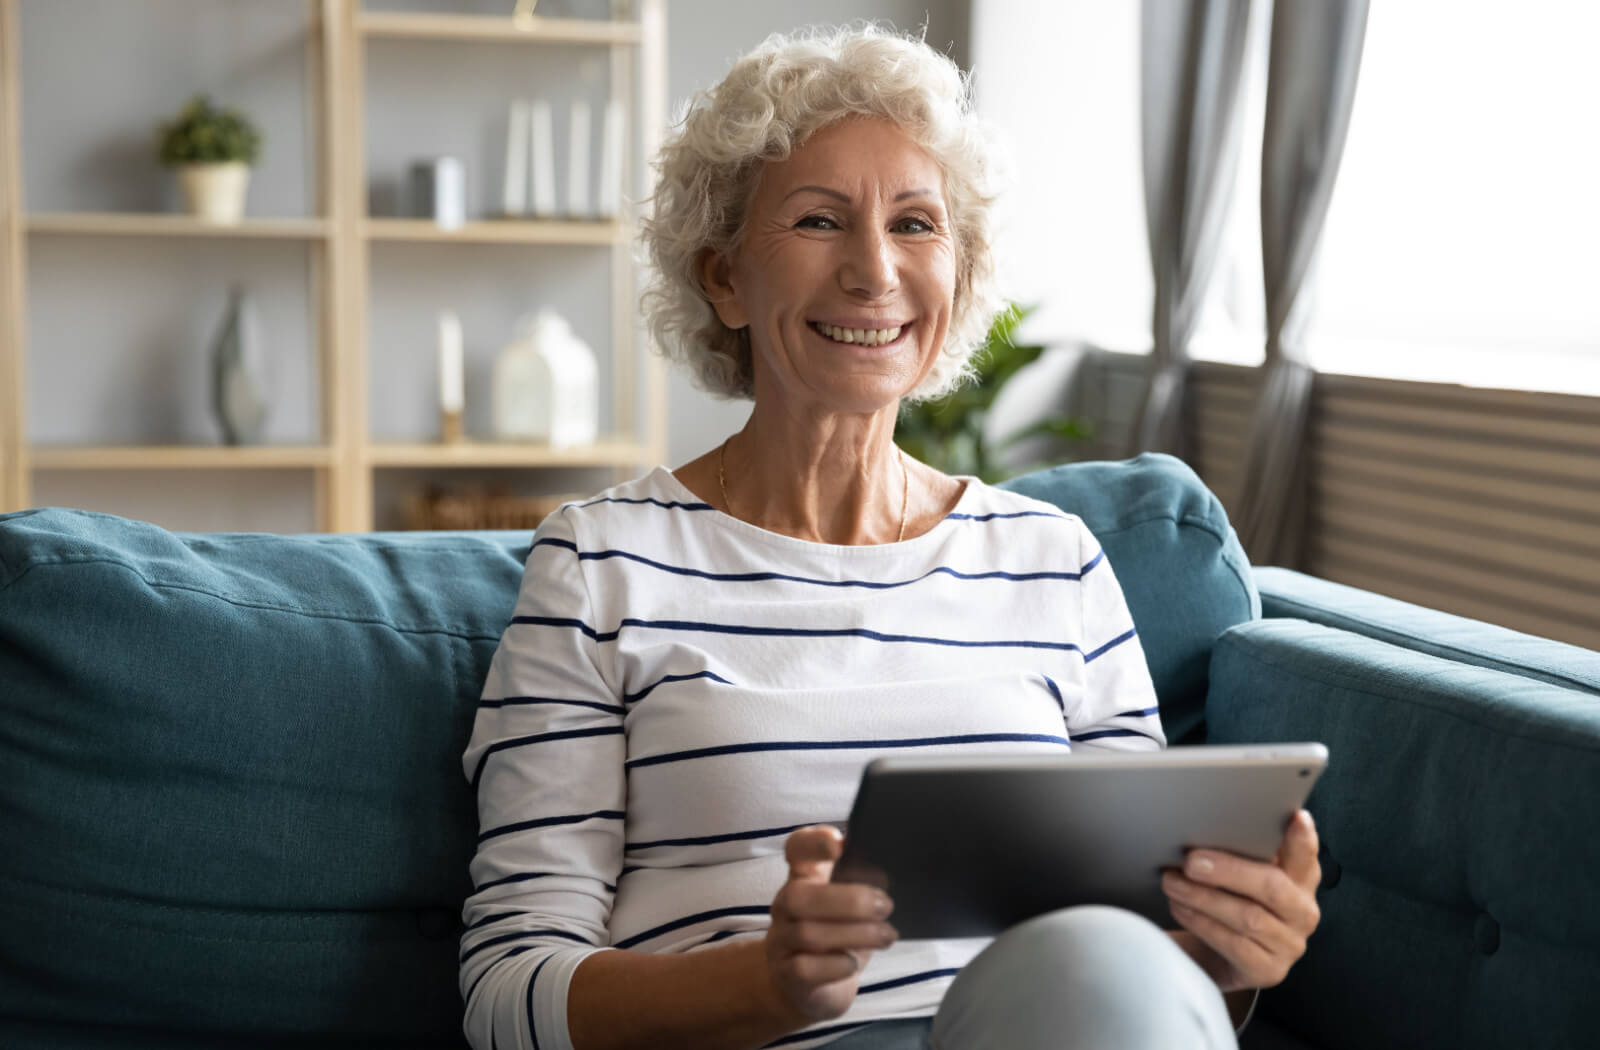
(1253, 916)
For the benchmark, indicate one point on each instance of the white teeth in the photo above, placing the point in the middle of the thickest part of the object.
(863, 336)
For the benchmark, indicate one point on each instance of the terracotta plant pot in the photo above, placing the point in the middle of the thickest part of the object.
(215, 192)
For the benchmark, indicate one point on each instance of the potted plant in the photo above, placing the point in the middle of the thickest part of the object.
(212, 150)
(948, 433)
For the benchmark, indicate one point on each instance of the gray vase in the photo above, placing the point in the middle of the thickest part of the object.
(238, 388)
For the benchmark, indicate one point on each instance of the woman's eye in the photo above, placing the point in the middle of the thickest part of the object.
(809, 219)
(922, 227)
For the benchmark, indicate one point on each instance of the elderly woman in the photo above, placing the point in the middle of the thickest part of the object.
(701, 661)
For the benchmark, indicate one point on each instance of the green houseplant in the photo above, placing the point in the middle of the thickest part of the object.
(948, 433)
(212, 150)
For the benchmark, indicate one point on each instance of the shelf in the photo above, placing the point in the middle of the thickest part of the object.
(496, 29)
(506, 454)
(507, 231)
(179, 457)
(161, 224)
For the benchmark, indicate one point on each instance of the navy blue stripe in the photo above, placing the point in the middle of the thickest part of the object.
(762, 577)
(1097, 734)
(516, 701)
(672, 505)
(901, 982)
(522, 935)
(488, 919)
(690, 920)
(800, 632)
(1146, 713)
(1012, 514)
(1118, 640)
(1055, 691)
(712, 840)
(633, 698)
(533, 1027)
(841, 745)
(487, 969)
(537, 738)
(543, 822)
(529, 876)
(816, 1033)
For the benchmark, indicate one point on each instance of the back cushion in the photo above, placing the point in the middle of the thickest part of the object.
(231, 796)
(1180, 565)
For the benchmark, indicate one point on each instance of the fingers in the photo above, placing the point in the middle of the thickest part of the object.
(830, 901)
(1297, 855)
(812, 937)
(812, 850)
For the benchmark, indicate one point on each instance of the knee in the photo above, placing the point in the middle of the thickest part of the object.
(1085, 946)
(1056, 970)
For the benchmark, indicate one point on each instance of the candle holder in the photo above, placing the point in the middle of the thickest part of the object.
(451, 431)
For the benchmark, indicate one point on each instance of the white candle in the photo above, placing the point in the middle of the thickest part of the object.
(542, 159)
(515, 198)
(611, 161)
(578, 162)
(452, 363)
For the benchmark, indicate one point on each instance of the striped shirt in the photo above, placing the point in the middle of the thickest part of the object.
(679, 689)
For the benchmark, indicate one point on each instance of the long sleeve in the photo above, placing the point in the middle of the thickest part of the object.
(546, 759)
(1119, 709)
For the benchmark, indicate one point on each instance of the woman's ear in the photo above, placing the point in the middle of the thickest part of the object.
(715, 278)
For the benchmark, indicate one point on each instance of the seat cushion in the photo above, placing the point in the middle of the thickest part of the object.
(1158, 524)
(230, 785)
(1461, 840)
(1293, 594)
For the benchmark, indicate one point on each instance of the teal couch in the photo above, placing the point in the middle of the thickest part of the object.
(232, 811)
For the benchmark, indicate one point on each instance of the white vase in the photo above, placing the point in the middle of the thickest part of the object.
(215, 192)
(546, 386)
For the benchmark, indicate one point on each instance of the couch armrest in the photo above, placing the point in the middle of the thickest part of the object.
(1460, 832)
(1285, 593)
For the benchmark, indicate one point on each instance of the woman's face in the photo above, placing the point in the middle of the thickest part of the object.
(846, 275)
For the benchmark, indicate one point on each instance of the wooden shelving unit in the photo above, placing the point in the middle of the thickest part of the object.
(340, 237)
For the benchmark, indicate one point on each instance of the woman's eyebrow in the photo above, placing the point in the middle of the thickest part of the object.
(826, 192)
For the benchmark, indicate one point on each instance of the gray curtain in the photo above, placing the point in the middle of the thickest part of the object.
(1311, 86)
(1192, 52)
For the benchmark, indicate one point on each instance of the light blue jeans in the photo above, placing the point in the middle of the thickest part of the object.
(1086, 977)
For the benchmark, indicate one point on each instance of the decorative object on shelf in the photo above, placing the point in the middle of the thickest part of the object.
(238, 385)
(438, 192)
(439, 509)
(609, 202)
(542, 159)
(212, 150)
(452, 378)
(514, 200)
(547, 385)
(578, 161)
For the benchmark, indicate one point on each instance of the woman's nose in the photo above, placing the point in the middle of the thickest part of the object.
(870, 267)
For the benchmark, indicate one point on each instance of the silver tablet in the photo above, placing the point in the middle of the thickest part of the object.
(968, 845)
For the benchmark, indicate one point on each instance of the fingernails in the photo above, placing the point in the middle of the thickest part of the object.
(881, 904)
(887, 934)
(1200, 865)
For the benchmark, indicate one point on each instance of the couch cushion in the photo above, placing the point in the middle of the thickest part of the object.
(230, 786)
(1159, 523)
(1292, 594)
(1461, 834)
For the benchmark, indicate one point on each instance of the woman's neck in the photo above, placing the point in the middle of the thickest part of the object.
(831, 479)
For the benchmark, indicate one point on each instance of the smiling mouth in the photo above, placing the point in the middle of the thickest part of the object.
(859, 336)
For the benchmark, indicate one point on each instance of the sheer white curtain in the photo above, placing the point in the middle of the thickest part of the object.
(1462, 243)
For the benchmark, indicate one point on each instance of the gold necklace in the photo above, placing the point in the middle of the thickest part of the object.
(905, 484)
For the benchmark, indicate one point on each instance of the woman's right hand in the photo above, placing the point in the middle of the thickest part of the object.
(822, 933)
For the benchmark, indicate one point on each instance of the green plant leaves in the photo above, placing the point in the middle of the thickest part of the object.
(203, 134)
(948, 433)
